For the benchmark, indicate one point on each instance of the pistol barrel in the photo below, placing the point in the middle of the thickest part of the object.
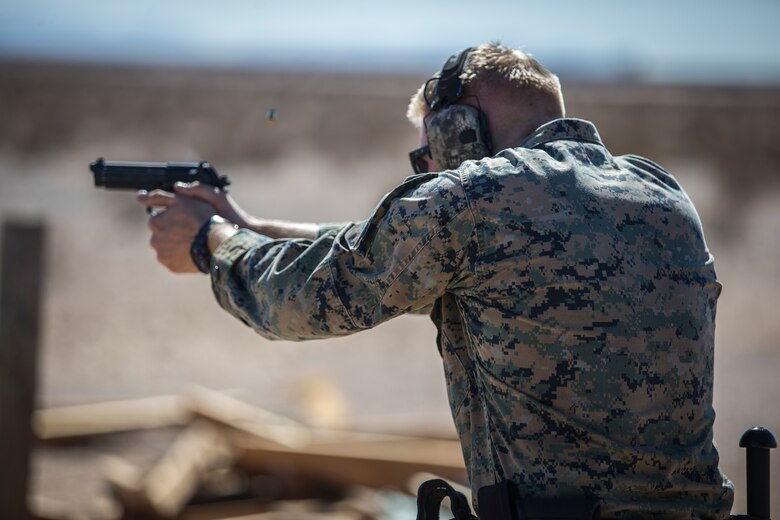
(118, 175)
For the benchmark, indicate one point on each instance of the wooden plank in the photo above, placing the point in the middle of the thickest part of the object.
(164, 490)
(274, 429)
(373, 464)
(300, 515)
(88, 420)
(222, 510)
(20, 285)
(333, 456)
(426, 425)
(291, 510)
(125, 480)
(46, 508)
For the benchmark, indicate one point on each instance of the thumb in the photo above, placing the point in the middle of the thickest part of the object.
(198, 191)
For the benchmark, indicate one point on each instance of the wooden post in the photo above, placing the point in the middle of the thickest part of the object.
(21, 275)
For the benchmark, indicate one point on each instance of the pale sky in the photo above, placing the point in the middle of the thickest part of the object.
(679, 40)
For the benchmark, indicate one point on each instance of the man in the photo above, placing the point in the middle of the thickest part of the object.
(573, 291)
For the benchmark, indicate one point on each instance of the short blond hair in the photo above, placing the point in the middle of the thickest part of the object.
(493, 64)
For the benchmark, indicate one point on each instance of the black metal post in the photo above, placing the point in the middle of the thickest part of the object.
(757, 441)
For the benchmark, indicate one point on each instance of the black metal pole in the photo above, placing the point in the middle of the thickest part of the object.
(757, 441)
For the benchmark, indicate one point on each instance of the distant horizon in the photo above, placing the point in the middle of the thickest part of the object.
(695, 42)
(579, 74)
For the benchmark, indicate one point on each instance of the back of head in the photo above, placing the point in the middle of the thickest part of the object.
(514, 90)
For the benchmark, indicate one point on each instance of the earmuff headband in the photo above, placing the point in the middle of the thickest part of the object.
(449, 87)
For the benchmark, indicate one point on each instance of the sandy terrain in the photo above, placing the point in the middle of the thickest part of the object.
(117, 325)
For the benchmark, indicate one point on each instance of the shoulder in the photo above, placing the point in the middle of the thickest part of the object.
(648, 169)
(420, 206)
(513, 169)
(424, 192)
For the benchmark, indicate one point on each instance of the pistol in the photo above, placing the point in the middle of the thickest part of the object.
(117, 175)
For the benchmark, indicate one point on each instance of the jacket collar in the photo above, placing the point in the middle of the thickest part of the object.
(569, 129)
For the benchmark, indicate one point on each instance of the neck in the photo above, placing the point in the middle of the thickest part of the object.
(514, 133)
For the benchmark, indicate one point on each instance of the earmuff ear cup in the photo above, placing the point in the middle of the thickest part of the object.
(456, 134)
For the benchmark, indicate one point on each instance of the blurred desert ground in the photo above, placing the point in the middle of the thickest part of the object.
(117, 325)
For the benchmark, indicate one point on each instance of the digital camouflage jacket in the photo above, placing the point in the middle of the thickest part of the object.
(575, 301)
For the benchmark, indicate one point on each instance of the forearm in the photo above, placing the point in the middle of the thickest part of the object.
(276, 229)
(227, 207)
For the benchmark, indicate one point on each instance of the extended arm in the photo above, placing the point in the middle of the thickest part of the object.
(350, 277)
(399, 260)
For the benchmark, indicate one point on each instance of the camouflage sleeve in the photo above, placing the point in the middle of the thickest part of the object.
(399, 260)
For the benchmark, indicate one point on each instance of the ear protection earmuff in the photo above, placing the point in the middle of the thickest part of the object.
(456, 132)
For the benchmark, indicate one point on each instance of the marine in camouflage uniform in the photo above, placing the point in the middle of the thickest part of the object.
(575, 300)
